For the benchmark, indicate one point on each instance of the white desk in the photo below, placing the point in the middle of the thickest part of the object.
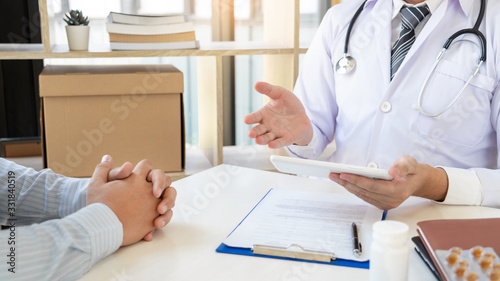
(210, 205)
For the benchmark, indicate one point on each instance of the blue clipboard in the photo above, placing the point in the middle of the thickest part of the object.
(223, 248)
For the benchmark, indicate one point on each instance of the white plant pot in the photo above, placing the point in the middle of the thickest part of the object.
(78, 37)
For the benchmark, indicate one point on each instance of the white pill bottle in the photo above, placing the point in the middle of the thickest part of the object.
(389, 251)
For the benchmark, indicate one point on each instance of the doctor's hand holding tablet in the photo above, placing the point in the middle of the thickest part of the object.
(283, 122)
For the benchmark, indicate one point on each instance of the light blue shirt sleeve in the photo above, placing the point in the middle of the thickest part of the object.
(39, 196)
(65, 238)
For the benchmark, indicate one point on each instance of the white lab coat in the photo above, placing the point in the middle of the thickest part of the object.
(373, 119)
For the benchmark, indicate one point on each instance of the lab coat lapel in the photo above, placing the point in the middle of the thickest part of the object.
(431, 25)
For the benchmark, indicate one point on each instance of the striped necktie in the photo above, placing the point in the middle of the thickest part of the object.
(410, 18)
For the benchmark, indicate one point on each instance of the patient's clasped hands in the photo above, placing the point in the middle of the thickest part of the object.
(141, 197)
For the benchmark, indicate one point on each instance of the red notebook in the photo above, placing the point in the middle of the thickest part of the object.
(463, 233)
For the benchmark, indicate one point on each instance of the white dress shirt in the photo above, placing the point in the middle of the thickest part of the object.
(55, 236)
(373, 118)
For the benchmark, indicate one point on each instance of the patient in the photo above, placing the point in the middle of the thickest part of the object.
(56, 227)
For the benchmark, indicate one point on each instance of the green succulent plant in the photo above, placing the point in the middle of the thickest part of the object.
(75, 17)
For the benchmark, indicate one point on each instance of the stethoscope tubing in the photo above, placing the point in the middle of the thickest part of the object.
(351, 24)
(462, 90)
(474, 30)
(447, 44)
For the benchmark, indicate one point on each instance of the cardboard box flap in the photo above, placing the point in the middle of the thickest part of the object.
(99, 80)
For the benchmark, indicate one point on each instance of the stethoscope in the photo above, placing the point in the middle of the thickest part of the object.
(347, 63)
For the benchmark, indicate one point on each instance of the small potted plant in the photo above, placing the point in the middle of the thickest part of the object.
(77, 30)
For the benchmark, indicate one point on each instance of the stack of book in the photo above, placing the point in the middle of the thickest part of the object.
(139, 32)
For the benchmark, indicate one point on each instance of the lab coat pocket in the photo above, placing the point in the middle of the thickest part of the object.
(468, 119)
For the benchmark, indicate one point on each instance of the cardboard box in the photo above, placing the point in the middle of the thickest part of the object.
(131, 112)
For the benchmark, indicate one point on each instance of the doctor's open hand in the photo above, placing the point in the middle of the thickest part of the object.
(282, 121)
(142, 201)
(409, 178)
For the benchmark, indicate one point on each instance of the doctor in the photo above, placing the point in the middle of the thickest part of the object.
(435, 126)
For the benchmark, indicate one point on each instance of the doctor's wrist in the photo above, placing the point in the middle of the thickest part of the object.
(435, 185)
(306, 138)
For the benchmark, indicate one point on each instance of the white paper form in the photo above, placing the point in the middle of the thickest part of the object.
(316, 221)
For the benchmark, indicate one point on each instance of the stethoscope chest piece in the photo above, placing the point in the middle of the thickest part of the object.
(345, 64)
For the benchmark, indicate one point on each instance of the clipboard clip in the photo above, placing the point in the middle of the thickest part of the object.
(293, 251)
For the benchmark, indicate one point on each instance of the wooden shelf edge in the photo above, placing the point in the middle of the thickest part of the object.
(16, 51)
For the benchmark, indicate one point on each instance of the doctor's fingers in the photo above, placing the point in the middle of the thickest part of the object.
(384, 195)
(254, 117)
(258, 130)
(275, 139)
(272, 91)
(265, 138)
(400, 190)
(383, 203)
(279, 143)
(404, 166)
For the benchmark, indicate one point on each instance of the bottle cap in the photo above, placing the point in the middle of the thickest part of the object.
(390, 232)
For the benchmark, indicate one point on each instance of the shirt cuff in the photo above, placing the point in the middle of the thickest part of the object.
(104, 229)
(304, 151)
(464, 187)
(73, 196)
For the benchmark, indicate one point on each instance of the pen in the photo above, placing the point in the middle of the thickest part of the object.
(355, 241)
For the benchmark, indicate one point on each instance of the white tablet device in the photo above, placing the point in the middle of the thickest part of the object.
(322, 169)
